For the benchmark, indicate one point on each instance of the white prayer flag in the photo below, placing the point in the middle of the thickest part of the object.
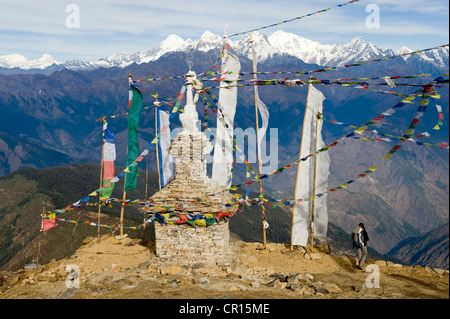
(264, 112)
(305, 176)
(165, 160)
(223, 148)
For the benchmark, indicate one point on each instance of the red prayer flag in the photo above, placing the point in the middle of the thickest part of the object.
(48, 224)
(378, 118)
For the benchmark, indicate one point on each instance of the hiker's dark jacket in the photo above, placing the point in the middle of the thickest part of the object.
(365, 237)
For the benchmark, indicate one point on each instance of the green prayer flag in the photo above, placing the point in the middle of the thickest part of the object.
(107, 188)
(133, 146)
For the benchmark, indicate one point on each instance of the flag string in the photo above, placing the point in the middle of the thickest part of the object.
(293, 19)
(302, 73)
(427, 92)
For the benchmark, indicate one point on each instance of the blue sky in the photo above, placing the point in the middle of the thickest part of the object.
(32, 28)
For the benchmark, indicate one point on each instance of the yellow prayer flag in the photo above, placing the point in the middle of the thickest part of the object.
(409, 99)
(200, 222)
(360, 130)
(424, 102)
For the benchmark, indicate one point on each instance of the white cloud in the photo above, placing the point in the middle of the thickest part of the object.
(108, 26)
(420, 6)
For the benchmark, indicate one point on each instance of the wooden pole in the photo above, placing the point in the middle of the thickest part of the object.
(298, 167)
(130, 80)
(101, 179)
(314, 183)
(263, 209)
(146, 179)
(39, 239)
(123, 203)
(157, 148)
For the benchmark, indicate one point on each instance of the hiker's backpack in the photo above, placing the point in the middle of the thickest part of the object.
(357, 237)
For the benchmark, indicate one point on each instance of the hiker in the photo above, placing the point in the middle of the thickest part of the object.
(360, 239)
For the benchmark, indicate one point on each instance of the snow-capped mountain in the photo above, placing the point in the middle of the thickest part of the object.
(208, 41)
(265, 47)
(314, 52)
(19, 61)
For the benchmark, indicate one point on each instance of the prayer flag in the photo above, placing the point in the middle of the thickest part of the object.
(223, 148)
(165, 160)
(305, 176)
(48, 224)
(109, 156)
(264, 112)
(134, 112)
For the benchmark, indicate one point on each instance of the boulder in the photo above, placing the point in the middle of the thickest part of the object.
(126, 241)
(315, 256)
(204, 281)
(380, 263)
(269, 271)
(175, 270)
(116, 267)
(439, 271)
(279, 276)
(320, 287)
(255, 284)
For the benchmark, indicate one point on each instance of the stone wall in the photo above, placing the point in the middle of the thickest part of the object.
(193, 246)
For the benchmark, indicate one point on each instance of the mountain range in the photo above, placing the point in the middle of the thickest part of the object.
(49, 111)
(429, 249)
(266, 47)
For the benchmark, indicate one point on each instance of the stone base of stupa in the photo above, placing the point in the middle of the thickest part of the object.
(191, 212)
(184, 245)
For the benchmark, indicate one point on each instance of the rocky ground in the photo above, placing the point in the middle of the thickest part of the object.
(124, 268)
